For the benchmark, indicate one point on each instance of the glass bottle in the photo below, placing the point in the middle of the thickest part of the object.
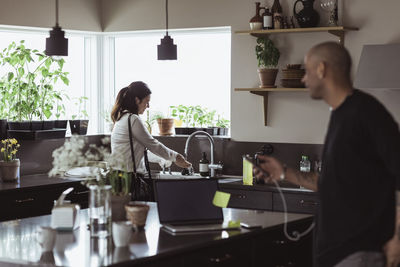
(267, 19)
(203, 166)
(100, 210)
(305, 164)
(256, 22)
(276, 10)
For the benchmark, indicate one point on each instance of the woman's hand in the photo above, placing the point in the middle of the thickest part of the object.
(269, 169)
(182, 162)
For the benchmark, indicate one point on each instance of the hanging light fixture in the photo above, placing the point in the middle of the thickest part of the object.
(167, 49)
(57, 44)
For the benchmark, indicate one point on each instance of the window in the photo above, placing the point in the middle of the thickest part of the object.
(74, 64)
(200, 76)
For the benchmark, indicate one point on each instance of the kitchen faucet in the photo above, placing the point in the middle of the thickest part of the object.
(212, 166)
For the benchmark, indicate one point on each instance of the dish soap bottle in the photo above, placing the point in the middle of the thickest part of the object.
(305, 164)
(203, 166)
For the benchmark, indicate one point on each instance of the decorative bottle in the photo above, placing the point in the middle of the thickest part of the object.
(305, 164)
(203, 165)
(267, 20)
(256, 22)
(277, 15)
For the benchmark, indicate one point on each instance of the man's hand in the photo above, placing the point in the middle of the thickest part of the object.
(181, 162)
(392, 252)
(269, 169)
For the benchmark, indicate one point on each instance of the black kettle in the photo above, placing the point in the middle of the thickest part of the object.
(307, 17)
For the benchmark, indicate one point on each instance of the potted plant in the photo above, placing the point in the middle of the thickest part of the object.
(223, 125)
(79, 123)
(165, 125)
(3, 110)
(183, 114)
(150, 119)
(60, 122)
(267, 57)
(29, 83)
(9, 166)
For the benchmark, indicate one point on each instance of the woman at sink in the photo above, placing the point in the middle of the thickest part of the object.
(130, 103)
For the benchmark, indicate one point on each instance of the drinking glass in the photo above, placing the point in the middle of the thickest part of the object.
(100, 210)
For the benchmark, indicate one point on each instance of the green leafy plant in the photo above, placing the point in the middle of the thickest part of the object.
(183, 113)
(209, 118)
(267, 54)
(151, 118)
(29, 82)
(80, 103)
(222, 123)
(60, 107)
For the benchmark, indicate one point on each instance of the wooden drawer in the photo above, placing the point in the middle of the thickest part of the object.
(249, 199)
(228, 254)
(297, 203)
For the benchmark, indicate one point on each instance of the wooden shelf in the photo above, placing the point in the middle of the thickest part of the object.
(264, 93)
(337, 31)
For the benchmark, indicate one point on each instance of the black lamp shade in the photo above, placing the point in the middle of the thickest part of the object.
(57, 44)
(167, 49)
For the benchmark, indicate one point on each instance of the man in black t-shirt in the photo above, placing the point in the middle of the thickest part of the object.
(355, 221)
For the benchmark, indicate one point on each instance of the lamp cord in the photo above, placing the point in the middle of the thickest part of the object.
(166, 11)
(57, 13)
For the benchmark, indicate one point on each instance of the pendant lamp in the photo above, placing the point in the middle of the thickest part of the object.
(167, 49)
(57, 44)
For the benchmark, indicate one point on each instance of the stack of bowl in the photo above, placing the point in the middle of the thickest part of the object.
(292, 75)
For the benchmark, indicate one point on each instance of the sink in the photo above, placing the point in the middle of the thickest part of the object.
(175, 175)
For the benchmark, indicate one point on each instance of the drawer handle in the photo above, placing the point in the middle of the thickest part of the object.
(239, 196)
(224, 258)
(24, 200)
(280, 242)
(308, 203)
(81, 193)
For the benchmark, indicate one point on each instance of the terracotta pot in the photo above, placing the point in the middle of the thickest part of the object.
(9, 170)
(165, 126)
(267, 77)
(118, 207)
(137, 213)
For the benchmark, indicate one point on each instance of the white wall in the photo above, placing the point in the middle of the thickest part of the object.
(73, 14)
(293, 117)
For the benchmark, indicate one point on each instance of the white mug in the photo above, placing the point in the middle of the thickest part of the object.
(121, 233)
(46, 237)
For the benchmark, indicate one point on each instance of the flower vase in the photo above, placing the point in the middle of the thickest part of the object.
(100, 210)
(9, 170)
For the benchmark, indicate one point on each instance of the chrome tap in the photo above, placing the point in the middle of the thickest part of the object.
(212, 166)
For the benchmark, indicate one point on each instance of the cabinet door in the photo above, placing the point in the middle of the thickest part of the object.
(273, 249)
(249, 199)
(296, 202)
(238, 253)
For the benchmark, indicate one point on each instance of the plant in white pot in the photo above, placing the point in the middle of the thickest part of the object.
(267, 57)
(9, 166)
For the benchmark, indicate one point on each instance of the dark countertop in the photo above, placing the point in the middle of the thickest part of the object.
(18, 244)
(34, 180)
(236, 183)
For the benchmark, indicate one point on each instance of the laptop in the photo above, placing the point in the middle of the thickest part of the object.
(186, 206)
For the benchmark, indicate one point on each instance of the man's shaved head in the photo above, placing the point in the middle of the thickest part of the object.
(335, 56)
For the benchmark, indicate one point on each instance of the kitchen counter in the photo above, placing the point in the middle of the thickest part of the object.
(154, 246)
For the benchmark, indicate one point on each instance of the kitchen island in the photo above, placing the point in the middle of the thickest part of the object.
(265, 246)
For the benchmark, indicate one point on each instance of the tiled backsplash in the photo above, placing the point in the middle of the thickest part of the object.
(36, 156)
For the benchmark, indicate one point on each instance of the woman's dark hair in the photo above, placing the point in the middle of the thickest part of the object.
(126, 99)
